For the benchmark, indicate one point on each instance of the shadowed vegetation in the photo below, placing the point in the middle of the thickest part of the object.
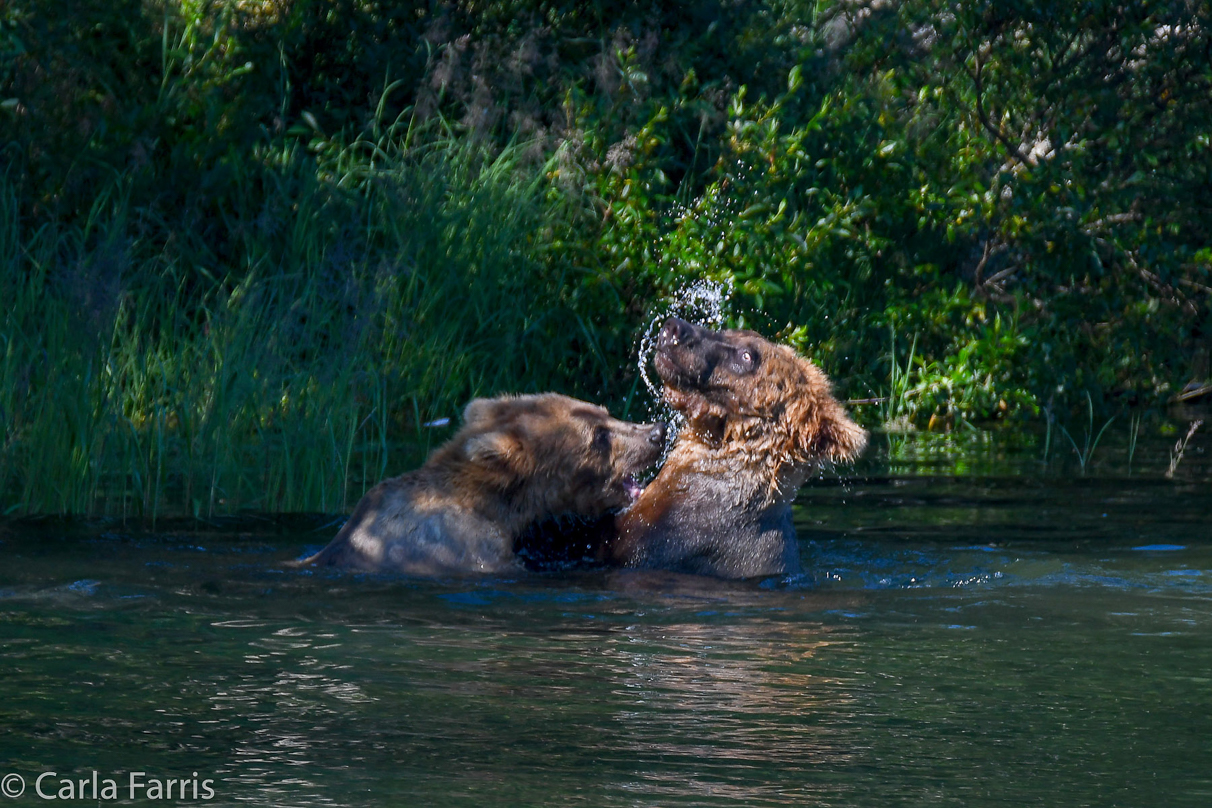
(248, 249)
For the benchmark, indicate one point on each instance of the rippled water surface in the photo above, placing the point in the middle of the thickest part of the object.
(978, 641)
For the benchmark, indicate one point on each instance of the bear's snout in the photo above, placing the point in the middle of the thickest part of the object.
(686, 354)
(656, 435)
(675, 331)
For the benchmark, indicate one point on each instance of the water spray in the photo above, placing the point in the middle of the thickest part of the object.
(701, 302)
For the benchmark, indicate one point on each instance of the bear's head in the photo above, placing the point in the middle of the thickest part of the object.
(735, 387)
(550, 454)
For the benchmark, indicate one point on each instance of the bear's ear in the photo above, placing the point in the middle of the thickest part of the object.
(837, 438)
(500, 450)
(478, 409)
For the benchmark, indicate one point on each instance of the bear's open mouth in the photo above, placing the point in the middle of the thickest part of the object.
(632, 487)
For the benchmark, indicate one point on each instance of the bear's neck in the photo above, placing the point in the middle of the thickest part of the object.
(510, 506)
(755, 475)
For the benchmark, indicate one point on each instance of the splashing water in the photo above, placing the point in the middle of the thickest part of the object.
(701, 302)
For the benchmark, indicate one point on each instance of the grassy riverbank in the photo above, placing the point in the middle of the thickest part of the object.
(249, 249)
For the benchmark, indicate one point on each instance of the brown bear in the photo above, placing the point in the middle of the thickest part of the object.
(516, 461)
(759, 419)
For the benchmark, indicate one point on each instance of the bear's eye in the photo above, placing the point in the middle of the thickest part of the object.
(601, 438)
(746, 359)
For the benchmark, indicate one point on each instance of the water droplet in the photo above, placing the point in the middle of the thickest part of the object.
(702, 302)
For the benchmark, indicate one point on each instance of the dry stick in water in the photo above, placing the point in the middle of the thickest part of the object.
(1180, 447)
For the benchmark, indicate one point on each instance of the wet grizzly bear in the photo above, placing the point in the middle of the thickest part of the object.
(759, 419)
(516, 461)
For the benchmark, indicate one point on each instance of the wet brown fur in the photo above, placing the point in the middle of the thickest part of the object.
(516, 460)
(754, 431)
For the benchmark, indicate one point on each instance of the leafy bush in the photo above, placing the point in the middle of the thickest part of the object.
(253, 245)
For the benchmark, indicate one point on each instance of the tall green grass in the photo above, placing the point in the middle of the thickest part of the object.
(142, 374)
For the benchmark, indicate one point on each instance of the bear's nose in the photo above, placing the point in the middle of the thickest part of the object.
(658, 432)
(675, 330)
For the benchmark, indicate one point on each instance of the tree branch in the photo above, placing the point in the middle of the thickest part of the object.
(983, 117)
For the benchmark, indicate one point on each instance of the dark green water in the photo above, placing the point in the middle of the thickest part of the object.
(994, 640)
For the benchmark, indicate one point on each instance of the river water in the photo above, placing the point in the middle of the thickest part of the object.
(1005, 637)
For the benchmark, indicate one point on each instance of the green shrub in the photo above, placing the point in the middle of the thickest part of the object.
(253, 246)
